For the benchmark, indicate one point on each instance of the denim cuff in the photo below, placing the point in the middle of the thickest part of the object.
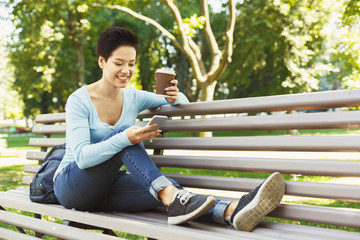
(158, 184)
(219, 210)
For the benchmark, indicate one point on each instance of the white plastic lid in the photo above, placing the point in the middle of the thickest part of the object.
(166, 70)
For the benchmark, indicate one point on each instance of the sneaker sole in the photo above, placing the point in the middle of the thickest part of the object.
(266, 200)
(204, 208)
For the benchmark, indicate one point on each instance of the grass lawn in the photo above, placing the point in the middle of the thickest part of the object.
(11, 177)
(22, 142)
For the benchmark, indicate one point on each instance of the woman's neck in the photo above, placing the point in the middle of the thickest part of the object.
(104, 89)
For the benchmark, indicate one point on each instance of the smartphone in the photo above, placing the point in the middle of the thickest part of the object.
(159, 120)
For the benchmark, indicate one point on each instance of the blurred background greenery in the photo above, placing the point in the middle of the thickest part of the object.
(48, 50)
(279, 46)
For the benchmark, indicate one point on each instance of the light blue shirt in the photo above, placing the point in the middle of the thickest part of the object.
(84, 129)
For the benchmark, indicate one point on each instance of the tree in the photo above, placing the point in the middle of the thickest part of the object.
(346, 50)
(42, 30)
(351, 11)
(10, 104)
(54, 50)
(279, 48)
(206, 74)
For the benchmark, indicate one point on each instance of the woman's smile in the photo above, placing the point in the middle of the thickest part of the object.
(122, 79)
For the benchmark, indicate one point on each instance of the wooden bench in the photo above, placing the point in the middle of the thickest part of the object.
(235, 152)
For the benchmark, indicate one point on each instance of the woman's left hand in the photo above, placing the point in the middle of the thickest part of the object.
(171, 92)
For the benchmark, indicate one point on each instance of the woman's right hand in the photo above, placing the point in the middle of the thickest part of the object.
(138, 134)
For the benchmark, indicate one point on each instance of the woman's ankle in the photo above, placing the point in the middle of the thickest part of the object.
(230, 209)
(167, 194)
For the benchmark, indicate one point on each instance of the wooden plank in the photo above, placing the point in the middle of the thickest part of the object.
(49, 129)
(22, 191)
(31, 168)
(327, 120)
(275, 230)
(50, 228)
(292, 230)
(26, 180)
(304, 189)
(295, 230)
(350, 119)
(335, 168)
(50, 118)
(45, 142)
(147, 227)
(11, 235)
(222, 229)
(19, 193)
(161, 219)
(349, 143)
(32, 155)
(290, 166)
(347, 217)
(300, 101)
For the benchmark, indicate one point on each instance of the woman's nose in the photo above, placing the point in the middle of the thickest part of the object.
(124, 69)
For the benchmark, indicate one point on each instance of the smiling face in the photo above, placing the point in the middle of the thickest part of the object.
(119, 67)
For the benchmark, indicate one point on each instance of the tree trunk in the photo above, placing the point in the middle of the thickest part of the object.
(79, 49)
(76, 34)
(207, 94)
(292, 132)
(207, 91)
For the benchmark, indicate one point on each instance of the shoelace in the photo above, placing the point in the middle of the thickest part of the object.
(184, 196)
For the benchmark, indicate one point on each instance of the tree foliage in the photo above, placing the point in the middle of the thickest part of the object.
(346, 53)
(54, 50)
(47, 52)
(279, 46)
(182, 35)
(351, 12)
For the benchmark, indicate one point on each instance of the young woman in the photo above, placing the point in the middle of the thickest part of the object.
(101, 138)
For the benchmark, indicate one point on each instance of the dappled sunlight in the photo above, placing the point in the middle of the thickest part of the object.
(11, 177)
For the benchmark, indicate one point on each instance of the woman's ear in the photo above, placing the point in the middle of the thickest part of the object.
(101, 62)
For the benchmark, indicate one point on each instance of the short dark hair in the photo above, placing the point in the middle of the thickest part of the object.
(112, 38)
